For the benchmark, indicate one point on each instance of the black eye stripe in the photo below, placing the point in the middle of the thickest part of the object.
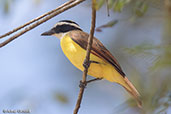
(65, 28)
(68, 21)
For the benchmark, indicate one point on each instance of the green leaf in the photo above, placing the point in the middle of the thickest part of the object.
(109, 24)
(143, 48)
(140, 8)
(99, 4)
(6, 6)
(162, 62)
(61, 97)
(119, 5)
(110, 3)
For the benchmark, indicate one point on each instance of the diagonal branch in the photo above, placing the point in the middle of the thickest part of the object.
(86, 61)
(76, 2)
(36, 19)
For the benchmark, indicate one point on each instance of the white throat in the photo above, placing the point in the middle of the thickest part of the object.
(60, 35)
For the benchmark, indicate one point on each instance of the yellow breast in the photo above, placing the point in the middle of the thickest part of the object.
(76, 55)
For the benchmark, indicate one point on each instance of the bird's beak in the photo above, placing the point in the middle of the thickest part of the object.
(48, 33)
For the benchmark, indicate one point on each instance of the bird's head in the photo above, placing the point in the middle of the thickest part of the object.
(61, 28)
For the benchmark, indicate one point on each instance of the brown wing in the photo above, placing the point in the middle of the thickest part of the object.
(98, 48)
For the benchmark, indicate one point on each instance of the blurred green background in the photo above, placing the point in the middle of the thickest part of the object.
(36, 75)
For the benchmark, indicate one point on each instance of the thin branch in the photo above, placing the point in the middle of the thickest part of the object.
(76, 2)
(86, 61)
(36, 19)
(107, 4)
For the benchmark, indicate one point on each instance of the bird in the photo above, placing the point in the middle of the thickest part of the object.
(74, 41)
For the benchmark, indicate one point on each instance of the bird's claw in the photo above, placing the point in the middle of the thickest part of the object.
(86, 64)
(82, 84)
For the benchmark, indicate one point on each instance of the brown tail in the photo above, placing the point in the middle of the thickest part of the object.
(123, 80)
(131, 89)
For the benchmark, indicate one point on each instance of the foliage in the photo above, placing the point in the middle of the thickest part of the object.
(109, 24)
(139, 7)
(155, 91)
(5, 5)
(155, 87)
(61, 97)
(143, 48)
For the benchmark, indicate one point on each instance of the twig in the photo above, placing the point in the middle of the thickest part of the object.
(107, 3)
(36, 19)
(86, 61)
(76, 2)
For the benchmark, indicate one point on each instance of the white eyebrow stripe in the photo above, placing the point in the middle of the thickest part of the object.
(65, 23)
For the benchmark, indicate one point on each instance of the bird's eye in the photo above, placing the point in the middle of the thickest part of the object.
(56, 29)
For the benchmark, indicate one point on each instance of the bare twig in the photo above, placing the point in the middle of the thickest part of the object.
(86, 61)
(36, 19)
(107, 4)
(76, 2)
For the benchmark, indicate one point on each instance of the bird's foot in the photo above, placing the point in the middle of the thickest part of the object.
(86, 64)
(92, 80)
(82, 84)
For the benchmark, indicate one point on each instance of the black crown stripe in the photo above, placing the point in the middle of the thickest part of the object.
(65, 28)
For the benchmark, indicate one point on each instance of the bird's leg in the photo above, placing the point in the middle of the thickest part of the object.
(92, 80)
(83, 85)
(86, 64)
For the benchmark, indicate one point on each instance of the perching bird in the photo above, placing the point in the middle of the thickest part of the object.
(74, 42)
